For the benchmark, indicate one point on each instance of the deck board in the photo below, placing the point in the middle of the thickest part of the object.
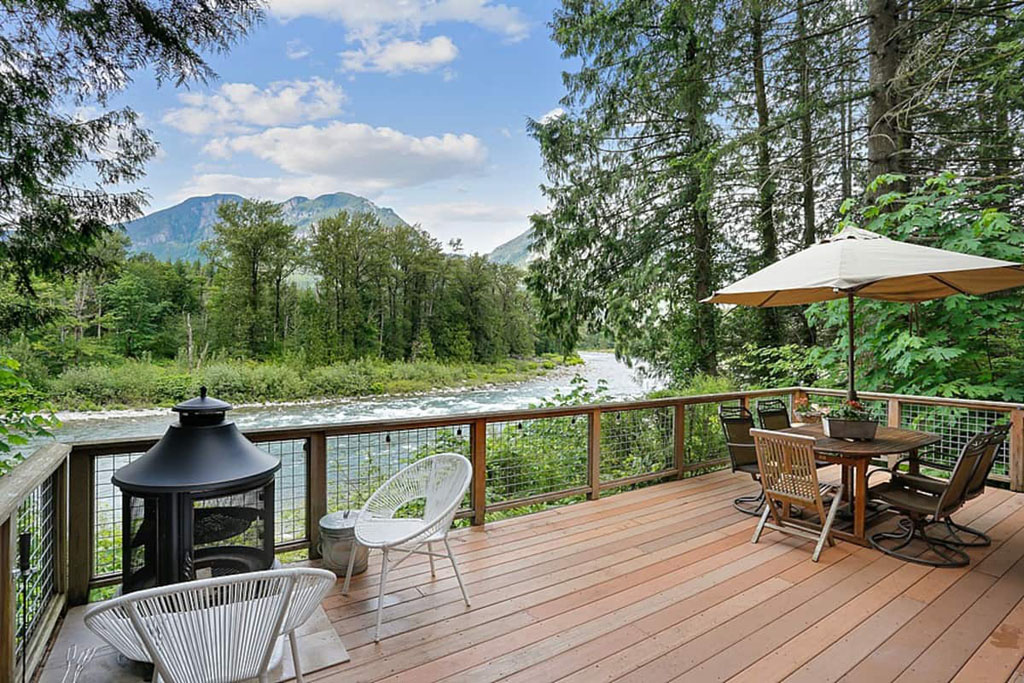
(663, 584)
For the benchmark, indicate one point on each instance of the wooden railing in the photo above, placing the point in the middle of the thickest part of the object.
(33, 500)
(523, 460)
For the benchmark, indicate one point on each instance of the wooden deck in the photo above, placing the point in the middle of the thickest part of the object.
(663, 584)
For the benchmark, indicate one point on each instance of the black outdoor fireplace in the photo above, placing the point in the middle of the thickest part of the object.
(199, 503)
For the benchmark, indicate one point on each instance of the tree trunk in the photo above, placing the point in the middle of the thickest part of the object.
(771, 328)
(806, 141)
(887, 144)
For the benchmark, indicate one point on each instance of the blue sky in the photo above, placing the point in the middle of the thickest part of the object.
(419, 105)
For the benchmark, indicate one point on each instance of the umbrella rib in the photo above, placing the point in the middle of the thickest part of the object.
(948, 284)
(770, 297)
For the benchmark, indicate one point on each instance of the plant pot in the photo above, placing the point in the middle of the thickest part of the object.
(858, 430)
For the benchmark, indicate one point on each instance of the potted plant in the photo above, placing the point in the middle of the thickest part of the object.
(851, 420)
(807, 412)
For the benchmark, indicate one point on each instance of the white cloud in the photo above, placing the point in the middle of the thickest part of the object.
(356, 155)
(296, 49)
(396, 56)
(368, 18)
(237, 107)
(505, 132)
(480, 225)
(264, 187)
(550, 116)
(469, 212)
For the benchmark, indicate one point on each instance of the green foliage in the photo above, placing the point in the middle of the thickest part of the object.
(757, 367)
(58, 162)
(24, 414)
(960, 346)
(142, 383)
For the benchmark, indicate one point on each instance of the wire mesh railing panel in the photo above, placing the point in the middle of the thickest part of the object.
(36, 516)
(357, 464)
(956, 426)
(535, 457)
(705, 439)
(106, 523)
(289, 490)
(636, 442)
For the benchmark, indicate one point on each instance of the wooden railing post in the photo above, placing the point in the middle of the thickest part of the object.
(316, 489)
(594, 454)
(893, 418)
(1017, 450)
(478, 453)
(8, 599)
(679, 438)
(81, 501)
(796, 398)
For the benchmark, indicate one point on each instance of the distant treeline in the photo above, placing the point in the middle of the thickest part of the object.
(351, 289)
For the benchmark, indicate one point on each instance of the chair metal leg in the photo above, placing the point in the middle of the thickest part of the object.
(458, 575)
(955, 534)
(380, 595)
(430, 549)
(965, 536)
(296, 662)
(908, 531)
(826, 528)
(750, 505)
(351, 564)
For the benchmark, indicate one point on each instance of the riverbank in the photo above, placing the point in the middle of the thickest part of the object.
(141, 384)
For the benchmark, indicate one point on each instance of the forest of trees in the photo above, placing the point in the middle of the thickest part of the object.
(353, 289)
(703, 140)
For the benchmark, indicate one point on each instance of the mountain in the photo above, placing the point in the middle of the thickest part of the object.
(176, 232)
(515, 252)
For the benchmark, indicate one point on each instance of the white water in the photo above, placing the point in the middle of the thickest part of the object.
(622, 383)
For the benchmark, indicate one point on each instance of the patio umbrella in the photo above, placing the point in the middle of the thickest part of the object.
(858, 262)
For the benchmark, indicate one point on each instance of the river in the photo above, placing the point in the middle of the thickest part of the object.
(622, 382)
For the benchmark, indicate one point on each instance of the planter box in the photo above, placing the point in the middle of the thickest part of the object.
(858, 430)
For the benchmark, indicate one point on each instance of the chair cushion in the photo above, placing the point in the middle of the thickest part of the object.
(903, 498)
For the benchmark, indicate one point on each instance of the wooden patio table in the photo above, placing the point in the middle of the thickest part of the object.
(855, 456)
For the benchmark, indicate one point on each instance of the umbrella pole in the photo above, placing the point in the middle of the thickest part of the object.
(851, 392)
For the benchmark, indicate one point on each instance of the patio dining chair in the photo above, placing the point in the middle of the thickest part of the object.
(773, 414)
(789, 476)
(736, 425)
(923, 502)
(957, 534)
(218, 630)
(438, 483)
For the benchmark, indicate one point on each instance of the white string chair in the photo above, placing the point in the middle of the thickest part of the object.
(789, 476)
(440, 482)
(213, 630)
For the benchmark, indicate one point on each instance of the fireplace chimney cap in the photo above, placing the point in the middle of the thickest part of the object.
(203, 404)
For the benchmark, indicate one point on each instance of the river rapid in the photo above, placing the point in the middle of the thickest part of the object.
(622, 382)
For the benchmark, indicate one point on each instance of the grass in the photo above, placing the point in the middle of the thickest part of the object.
(146, 384)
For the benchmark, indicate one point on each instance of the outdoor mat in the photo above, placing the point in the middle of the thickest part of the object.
(319, 645)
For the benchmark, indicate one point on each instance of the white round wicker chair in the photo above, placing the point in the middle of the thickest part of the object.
(213, 630)
(440, 482)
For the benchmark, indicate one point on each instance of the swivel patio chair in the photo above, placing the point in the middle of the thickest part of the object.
(440, 482)
(789, 476)
(736, 425)
(218, 630)
(924, 503)
(958, 534)
(773, 414)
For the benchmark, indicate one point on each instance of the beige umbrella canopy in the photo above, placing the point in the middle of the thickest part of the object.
(858, 262)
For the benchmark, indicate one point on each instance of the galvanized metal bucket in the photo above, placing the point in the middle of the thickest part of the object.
(337, 538)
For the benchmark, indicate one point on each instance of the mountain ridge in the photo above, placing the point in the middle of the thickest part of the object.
(177, 231)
